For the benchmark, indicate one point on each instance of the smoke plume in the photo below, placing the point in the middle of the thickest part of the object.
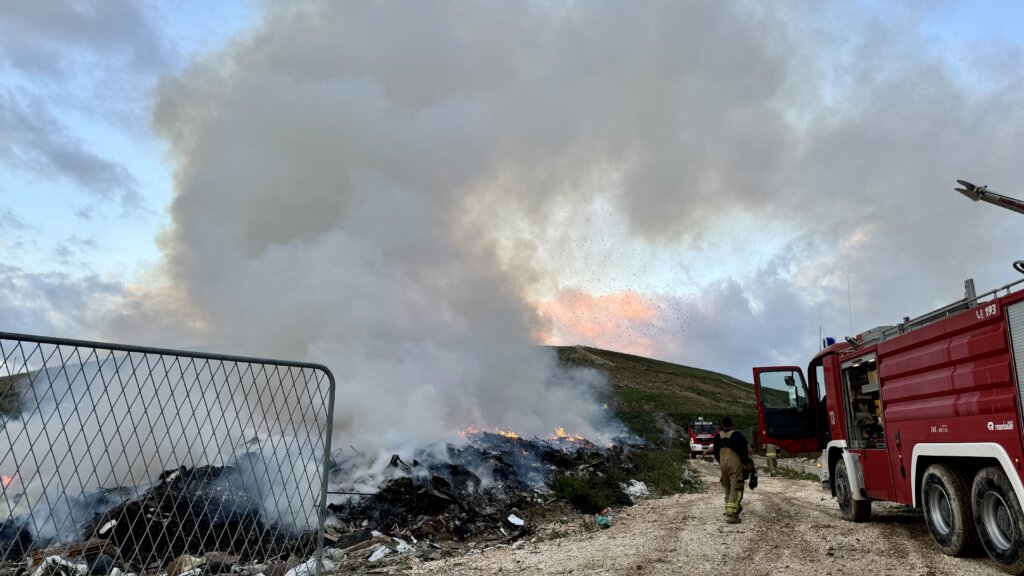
(327, 208)
(387, 189)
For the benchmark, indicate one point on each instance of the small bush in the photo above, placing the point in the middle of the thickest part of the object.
(664, 471)
(589, 495)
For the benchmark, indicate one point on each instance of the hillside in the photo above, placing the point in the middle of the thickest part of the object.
(651, 395)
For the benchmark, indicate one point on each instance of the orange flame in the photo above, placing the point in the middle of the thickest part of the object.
(472, 430)
(6, 480)
(561, 434)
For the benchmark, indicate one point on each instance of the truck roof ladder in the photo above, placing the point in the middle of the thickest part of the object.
(969, 300)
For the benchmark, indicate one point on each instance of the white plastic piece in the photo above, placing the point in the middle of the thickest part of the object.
(57, 562)
(380, 553)
(637, 489)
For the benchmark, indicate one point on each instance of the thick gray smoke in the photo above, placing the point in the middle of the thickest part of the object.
(384, 188)
(325, 211)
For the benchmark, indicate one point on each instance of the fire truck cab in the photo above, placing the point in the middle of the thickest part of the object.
(702, 434)
(926, 413)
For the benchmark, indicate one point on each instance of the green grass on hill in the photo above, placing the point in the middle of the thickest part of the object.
(9, 396)
(650, 395)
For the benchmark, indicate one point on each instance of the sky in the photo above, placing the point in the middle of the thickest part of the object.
(416, 194)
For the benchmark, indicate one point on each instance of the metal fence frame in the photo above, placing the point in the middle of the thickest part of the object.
(13, 346)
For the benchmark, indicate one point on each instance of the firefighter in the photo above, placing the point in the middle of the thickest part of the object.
(731, 450)
(771, 451)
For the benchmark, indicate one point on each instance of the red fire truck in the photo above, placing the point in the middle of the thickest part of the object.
(702, 434)
(926, 413)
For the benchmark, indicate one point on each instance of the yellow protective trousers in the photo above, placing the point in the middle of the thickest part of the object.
(732, 480)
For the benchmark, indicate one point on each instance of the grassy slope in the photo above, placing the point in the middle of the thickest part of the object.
(8, 395)
(647, 393)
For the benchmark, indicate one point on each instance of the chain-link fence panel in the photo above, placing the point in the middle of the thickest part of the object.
(132, 459)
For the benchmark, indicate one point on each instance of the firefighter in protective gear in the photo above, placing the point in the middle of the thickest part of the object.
(771, 451)
(731, 450)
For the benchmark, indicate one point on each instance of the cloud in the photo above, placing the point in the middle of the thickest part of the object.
(37, 142)
(9, 220)
(56, 304)
(728, 327)
(626, 321)
(74, 74)
(49, 37)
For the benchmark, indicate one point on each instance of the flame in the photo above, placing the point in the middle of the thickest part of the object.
(6, 480)
(472, 430)
(561, 434)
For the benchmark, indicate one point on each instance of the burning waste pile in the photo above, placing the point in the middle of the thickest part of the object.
(235, 488)
(461, 497)
(155, 462)
(213, 519)
(210, 516)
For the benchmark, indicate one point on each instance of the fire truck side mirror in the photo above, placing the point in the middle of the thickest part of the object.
(790, 381)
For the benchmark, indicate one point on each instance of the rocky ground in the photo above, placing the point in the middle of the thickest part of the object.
(789, 527)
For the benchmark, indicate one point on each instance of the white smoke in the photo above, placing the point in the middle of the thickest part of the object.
(326, 209)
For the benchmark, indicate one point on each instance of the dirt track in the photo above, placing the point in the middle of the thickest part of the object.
(789, 527)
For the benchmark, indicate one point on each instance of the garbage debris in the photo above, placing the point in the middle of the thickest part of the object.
(430, 504)
(185, 564)
(636, 490)
(191, 512)
(58, 565)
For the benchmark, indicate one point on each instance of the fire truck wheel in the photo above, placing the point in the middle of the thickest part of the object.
(852, 510)
(998, 518)
(947, 510)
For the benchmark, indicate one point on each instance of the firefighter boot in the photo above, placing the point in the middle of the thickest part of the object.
(732, 519)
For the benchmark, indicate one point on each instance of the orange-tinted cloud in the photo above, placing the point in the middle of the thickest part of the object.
(621, 321)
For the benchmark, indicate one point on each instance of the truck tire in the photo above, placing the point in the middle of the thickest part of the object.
(852, 510)
(998, 519)
(946, 500)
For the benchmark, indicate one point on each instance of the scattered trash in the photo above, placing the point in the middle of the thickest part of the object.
(381, 552)
(184, 564)
(516, 520)
(56, 565)
(636, 490)
(203, 521)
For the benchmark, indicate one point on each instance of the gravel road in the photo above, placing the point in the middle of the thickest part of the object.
(789, 527)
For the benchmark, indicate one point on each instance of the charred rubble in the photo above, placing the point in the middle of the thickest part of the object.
(208, 519)
(473, 493)
(205, 511)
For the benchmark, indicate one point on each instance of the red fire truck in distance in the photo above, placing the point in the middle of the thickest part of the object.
(702, 434)
(926, 413)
